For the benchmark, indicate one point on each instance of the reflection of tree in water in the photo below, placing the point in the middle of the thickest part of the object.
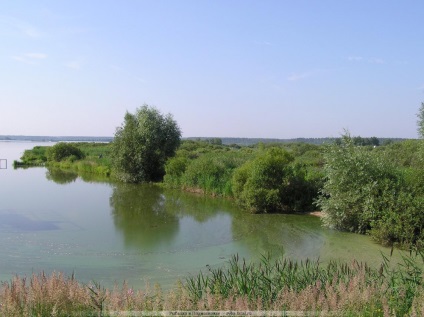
(139, 212)
(94, 178)
(200, 207)
(297, 235)
(60, 176)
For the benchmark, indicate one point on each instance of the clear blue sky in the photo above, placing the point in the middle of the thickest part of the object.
(272, 69)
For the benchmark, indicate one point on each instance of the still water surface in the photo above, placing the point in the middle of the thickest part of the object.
(110, 232)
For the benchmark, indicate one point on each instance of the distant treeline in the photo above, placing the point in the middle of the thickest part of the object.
(212, 140)
(317, 141)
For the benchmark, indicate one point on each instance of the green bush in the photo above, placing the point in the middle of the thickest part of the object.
(365, 192)
(263, 184)
(174, 169)
(64, 151)
(355, 179)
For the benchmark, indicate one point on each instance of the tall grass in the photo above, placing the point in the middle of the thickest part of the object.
(339, 289)
(283, 284)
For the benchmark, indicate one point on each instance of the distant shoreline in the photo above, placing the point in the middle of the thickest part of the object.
(225, 140)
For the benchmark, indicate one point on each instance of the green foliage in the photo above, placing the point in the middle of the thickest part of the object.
(142, 145)
(201, 166)
(394, 288)
(408, 153)
(402, 221)
(364, 191)
(35, 156)
(208, 173)
(64, 151)
(355, 179)
(269, 183)
(174, 169)
(211, 172)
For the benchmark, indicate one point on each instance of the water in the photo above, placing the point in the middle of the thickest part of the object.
(110, 232)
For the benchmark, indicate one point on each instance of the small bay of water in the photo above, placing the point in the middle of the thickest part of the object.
(110, 232)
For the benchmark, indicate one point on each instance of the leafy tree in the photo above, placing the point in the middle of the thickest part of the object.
(369, 191)
(356, 177)
(61, 151)
(420, 121)
(142, 145)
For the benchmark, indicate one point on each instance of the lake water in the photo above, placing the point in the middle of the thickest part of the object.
(110, 232)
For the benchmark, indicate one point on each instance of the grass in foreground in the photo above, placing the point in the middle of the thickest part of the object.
(272, 285)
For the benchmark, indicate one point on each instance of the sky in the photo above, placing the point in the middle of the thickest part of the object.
(233, 68)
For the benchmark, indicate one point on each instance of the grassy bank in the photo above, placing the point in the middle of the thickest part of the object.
(96, 159)
(341, 289)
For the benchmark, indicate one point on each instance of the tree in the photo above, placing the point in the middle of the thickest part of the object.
(356, 183)
(142, 145)
(420, 121)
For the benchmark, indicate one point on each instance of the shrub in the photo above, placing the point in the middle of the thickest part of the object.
(262, 185)
(365, 192)
(174, 168)
(64, 151)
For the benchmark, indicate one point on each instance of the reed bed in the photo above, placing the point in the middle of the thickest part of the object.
(276, 285)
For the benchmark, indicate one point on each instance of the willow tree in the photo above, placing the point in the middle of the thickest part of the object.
(143, 143)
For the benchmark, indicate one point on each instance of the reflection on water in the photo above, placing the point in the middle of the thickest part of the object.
(139, 213)
(109, 232)
(60, 176)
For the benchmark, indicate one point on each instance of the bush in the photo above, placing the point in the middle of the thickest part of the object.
(174, 169)
(365, 192)
(262, 185)
(355, 179)
(64, 151)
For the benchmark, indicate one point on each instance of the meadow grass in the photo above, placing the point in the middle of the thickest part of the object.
(276, 285)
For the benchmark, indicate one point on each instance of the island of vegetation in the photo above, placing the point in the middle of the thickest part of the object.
(357, 184)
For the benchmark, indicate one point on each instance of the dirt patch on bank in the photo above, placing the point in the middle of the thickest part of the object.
(315, 213)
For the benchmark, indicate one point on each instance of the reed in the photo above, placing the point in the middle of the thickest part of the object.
(337, 289)
(284, 284)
